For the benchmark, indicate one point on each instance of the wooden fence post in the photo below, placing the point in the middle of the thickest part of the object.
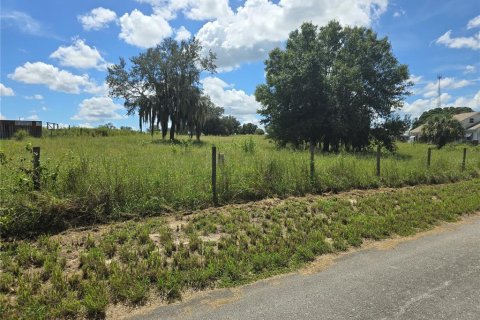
(429, 157)
(312, 162)
(214, 175)
(464, 158)
(36, 168)
(379, 150)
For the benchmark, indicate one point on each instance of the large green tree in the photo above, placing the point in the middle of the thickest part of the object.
(248, 128)
(162, 84)
(332, 85)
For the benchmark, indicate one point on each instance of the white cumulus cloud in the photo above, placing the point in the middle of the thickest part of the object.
(471, 102)
(207, 9)
(235, 102)
(98, 109)
(80, 55)
(52, 77)
(192, 9)
(182, 34)
(472, 42)
(474, 23)
(97, 19)
(6, 91)
(144, 31)
(260, 25)
(417, 107)
(431, 88)
(470, 69)
(34, 97)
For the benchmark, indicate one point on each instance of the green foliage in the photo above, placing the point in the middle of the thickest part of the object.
(248, 128)
(221, 126)
(442, 130)
(171, 71)
(447, 112)
(87, 181)
(257, 240)
(20, 135)
(95, 298)
(330, 85)
(259, 132)
(249, 145)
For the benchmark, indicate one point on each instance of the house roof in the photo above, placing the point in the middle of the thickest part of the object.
(417, 130)
(458, 117)
(463, 116)
(475, 127)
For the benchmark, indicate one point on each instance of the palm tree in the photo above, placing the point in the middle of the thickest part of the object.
(442, 130)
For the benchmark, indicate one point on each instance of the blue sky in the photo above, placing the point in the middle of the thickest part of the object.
(54, 53)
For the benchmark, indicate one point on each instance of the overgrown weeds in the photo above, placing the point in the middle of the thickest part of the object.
(89, 181)
(79, 274)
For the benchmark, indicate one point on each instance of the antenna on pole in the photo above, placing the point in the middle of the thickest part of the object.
(439, 101)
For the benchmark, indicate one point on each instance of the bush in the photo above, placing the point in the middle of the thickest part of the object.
(21, 135)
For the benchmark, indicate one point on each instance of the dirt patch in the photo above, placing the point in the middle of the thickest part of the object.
(320, 264)
(215, 237)
(236, 294)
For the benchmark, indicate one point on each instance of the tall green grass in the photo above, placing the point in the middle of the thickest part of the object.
(87, 180)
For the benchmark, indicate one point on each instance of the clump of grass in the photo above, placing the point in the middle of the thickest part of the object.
(249, 145)
(95, 298)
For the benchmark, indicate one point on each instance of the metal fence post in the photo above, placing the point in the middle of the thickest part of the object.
(464, 158)
(36, 168)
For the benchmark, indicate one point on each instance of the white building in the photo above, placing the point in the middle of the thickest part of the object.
(470, 121)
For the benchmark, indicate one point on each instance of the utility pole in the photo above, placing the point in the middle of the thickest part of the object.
(439, 101)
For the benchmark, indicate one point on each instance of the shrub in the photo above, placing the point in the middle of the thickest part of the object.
(20, 135)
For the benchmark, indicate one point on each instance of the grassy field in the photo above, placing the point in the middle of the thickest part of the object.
(89, 180)
(82, 273)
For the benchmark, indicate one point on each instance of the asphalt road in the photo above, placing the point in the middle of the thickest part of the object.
(436, 276)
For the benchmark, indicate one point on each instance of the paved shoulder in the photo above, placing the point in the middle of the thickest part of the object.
(433, 277)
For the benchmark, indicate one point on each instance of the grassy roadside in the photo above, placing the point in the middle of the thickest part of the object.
(86, 180)
(79, 273)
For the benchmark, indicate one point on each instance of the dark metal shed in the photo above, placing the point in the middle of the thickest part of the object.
(9, 127)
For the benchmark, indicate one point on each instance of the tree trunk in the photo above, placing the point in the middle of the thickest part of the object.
(198, 132)
(172, 130)
(152, 123)
(326, 145)
(164, 124)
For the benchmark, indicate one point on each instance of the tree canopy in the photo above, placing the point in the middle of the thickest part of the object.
(248, 128)
(162, 84)
(439, 112)
(334, 85)
(441, 130)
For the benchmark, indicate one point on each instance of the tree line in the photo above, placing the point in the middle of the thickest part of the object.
(334, 86)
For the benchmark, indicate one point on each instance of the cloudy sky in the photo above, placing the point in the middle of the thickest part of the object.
(54, 53)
